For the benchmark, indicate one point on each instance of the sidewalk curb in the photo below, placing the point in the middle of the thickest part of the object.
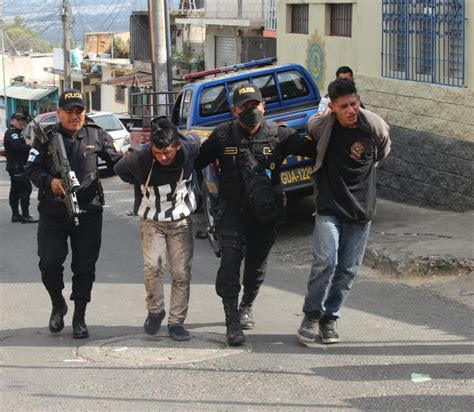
(403, 265)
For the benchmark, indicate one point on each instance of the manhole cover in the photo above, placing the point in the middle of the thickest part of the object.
(143, 350)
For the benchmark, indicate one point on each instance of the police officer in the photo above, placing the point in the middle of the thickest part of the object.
(244, 231)
(83, 143)
(16, 152)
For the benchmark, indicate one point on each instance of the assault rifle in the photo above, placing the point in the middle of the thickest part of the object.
(70, 183)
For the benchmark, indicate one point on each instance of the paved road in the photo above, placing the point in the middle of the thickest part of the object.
(389, 332)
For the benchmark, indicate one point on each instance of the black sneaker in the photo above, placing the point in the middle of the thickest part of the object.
(308, 331)
(246, 317)
(178, 332)
(327, 330)
(153, 322)
(16, 219)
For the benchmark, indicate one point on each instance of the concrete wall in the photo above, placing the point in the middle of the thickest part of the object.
(192, 38)
(432, 125)
(31, 67)
(229, 9)
(231, 31)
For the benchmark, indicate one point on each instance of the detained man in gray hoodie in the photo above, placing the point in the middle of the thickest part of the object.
(164, 170)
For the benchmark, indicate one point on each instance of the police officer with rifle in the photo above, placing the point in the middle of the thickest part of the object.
(63, 165)
(250, 151)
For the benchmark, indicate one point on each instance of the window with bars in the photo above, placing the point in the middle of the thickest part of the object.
(341, 20)
(120, 94)
(299, 18)
(423, 40)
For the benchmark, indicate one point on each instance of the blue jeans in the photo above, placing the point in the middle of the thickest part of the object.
(338, 250)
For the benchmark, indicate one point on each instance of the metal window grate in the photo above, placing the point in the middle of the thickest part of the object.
(423, 40)
(271, 15)
(299, 18)
(341, 20)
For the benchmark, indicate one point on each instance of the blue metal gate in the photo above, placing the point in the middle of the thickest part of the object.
(423, 40)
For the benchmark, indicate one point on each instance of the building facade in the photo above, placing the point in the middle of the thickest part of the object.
(413, 63)
(234, 31)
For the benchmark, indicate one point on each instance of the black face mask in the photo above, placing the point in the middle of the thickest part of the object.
(251, 117)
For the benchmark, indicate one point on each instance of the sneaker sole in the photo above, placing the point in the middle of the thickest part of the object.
(246, 326)
(330, 340)
(237, 343)
(305, 339)
(180, 338)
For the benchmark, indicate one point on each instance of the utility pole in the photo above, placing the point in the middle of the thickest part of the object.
(66, 14)
(157, 20)
(4, 79)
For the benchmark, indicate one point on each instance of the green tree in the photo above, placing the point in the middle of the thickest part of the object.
(23, 39)
(121, 48)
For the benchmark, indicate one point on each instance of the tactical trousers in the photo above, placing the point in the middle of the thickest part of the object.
(20, 191)
(167, 244)
(242, 236)
(85, 239)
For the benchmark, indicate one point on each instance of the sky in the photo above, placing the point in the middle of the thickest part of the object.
(43, 16)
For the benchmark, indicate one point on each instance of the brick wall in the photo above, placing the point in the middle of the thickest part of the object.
(432, 131)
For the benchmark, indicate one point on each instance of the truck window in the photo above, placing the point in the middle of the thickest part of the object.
(213, 101)
(292, 85)
(266, 84)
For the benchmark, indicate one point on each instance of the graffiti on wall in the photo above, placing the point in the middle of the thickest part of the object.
(316, 59)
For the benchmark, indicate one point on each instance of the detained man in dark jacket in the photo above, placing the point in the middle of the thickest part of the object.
(350, 143)
(164, 171)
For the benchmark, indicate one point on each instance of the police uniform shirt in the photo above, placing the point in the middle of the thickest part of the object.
(82, 151)
(225, 150)
(16, 149)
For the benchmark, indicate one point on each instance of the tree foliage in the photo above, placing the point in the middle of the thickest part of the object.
(121, 48)
(19, 37)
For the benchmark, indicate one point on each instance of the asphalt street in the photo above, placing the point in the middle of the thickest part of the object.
(403, 347)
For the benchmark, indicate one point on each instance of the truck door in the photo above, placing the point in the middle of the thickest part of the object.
(181, 109)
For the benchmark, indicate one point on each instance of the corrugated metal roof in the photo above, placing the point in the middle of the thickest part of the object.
(128, 79)
(27, 93)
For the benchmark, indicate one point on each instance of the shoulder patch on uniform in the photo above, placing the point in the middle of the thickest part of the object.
(32, 155)
(230, 150)
(15, 136)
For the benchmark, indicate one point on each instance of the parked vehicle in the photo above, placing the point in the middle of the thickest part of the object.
(106, 120)
(128, 121)
(290, 94)
(3, 129)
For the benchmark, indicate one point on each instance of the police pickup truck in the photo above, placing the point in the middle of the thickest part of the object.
(290, 94)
